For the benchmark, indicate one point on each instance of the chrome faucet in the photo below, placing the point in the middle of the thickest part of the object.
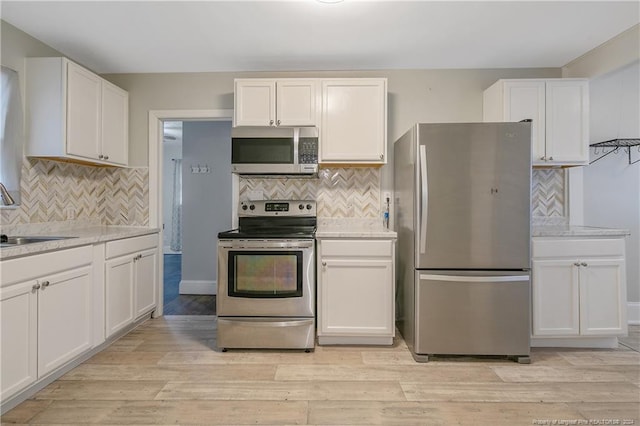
(7, 199)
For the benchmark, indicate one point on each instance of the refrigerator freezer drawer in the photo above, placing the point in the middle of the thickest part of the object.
(463, 313)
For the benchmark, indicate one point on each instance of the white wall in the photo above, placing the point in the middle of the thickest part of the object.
(206, 201)
(611, 185)
(171, 150)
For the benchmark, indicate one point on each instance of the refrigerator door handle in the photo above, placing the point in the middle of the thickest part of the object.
(472, 279)
(424, 199)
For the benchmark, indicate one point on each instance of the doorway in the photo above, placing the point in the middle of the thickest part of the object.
(182, 264)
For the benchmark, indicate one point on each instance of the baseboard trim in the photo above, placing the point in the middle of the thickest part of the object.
(576, 342)
(633, 313)
(198, 287)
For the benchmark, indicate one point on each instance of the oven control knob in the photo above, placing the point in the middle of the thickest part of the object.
(308, 206)
(252, 207)
(244, 207)
(301, 206)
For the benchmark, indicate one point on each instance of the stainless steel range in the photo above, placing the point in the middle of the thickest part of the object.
(266, 277)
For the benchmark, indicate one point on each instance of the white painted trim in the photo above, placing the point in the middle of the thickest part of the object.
(576, 342)
(355, 340)
(633, 313)
(156, 117)
(198, 287)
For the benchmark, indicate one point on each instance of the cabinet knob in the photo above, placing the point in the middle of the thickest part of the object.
(35, 287)
(576, 264)
(381, 156)
(550, 158)
(101, 156)
(584, 264)
(106, 157)
(543, 158)
(324, 263)
(278, 122)
(45, 284)
(270, 122)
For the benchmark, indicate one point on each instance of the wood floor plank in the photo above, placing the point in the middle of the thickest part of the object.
(625, 412)
(130, 358)
(76, 412)
(283, 391)
(521, 392)
(437, 414)
(195, 373)
(595, 358)
(417, 373)
(104, 390)
(532, 373)
(261, 357)
(25, 411)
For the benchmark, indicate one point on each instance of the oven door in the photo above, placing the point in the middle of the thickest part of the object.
(266, 278)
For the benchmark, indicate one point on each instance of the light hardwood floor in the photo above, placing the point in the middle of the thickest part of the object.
(168, 371)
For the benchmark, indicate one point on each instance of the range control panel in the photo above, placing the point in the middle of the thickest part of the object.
(277, 208)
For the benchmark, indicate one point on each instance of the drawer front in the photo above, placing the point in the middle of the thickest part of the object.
(577, 247)
(39, 265)
(356, 248)
(130, 245)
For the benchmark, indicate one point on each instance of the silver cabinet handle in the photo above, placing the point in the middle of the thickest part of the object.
(543, 158)
(576, 264)
(106, 157)
(35, 287)
(550, 158)
(584, 264)
(381, 156)
(270, 122)
(324, 263)
(45, 284)
(278, 123)
(101, 156)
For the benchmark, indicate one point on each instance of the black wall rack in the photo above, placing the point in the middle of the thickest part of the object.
(615, 145)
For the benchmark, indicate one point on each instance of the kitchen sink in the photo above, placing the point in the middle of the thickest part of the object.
(6, 241)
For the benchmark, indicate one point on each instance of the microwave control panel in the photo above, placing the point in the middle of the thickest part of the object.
(308, 151)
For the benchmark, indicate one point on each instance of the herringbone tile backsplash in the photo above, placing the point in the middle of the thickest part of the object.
(339, 192)
(54, 191)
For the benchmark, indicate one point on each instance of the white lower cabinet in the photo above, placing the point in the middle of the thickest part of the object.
(130, 280)
(356, 291)
(46, 320)
(579, 287)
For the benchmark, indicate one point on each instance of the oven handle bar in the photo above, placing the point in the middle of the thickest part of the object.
(273, 244)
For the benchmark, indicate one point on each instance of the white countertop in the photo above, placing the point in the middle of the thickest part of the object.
(576, 231)
(353, 228)
(84, 233)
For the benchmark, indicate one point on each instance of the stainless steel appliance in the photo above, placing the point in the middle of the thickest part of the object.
(463, 221)
(274, 151)
(266, 277)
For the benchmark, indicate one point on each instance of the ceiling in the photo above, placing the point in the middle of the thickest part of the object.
(206, 36)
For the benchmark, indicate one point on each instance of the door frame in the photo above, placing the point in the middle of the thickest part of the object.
(155, 150)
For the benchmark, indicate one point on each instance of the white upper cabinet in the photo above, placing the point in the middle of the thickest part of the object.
(275, 102)
(353, 126)
(73, 114)
(558, 109)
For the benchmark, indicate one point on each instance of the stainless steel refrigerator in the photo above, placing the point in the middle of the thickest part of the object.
(462, 200)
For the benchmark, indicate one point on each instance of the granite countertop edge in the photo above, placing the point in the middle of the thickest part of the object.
(576, 231)
(80, 237)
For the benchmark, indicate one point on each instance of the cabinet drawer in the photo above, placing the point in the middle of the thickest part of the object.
(130, 245)
(40, 265)
(356, 248)
(577, 247)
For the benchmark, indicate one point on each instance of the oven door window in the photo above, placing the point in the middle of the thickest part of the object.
(263, 274)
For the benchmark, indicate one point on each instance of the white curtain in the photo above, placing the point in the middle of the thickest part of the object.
(11, 133)
(176, 208)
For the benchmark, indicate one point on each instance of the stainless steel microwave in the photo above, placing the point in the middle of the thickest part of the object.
(274, 151)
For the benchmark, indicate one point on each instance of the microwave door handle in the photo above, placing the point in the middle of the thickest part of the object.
(296, 140)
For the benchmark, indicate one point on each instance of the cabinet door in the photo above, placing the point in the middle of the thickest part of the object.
(555, 298)
(64, 318)
(119, 286)
(255, 103)
(602, 297)
(296, 102)
(356, 297)
(353, 121)
(83, 112)
(146, 281)
(18, 337)
(525, 100)
(567, 121)
(115, 124)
